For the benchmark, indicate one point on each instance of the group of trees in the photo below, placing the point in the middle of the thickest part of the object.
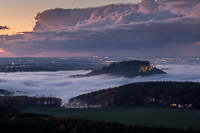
(147, 93)
(5, 92)
(34, 123)
(25, 101)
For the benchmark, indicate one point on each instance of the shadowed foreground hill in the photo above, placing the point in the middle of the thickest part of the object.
(34, 123)
(176, 94)
(127, 69)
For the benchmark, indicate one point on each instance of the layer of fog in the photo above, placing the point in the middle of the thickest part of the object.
(59, 84)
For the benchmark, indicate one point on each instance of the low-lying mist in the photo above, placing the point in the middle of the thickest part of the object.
(59, 84)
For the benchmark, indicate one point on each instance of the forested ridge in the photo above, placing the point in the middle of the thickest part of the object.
(176, 94)
(135, 94)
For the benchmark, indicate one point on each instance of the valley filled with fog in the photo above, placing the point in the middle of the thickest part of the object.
(60, 84)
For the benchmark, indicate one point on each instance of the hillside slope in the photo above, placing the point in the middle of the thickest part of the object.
(176, 94)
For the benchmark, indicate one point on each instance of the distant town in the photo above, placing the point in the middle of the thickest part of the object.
(28, 64)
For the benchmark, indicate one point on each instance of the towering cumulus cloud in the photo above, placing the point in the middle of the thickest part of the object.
(154, 28)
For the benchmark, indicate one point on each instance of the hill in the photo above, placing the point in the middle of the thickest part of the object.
(129, 69)
(174, 94)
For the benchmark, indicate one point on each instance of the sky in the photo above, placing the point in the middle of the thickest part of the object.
(56, 28)
(19, 14)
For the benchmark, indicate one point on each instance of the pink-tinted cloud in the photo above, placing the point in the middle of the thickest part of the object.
(111, 15)
(178, 6)
(2, 51)
(198, 43)
(148, 6)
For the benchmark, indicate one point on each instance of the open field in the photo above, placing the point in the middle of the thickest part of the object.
(149, 116)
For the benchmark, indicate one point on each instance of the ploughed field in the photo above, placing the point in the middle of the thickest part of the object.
(148, 116)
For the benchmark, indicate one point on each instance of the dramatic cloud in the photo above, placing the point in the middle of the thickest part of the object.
(149, 28)
(3, 28)
(59, 84)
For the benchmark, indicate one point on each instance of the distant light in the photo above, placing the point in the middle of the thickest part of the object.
(110, 61)
(95, 56)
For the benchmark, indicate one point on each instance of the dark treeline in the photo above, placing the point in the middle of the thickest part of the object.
(7, 111)
(34, 123)
(177, 94)
(25, 101)
(5, 92)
